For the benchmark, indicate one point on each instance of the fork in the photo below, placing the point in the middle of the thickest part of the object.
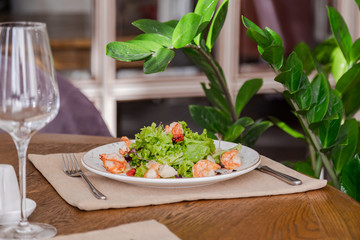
(72, 169)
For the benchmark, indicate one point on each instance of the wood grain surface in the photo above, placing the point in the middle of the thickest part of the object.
(321, 214)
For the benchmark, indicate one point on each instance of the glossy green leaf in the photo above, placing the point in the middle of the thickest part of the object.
(251, 25)
(293, 82)
(341, 154)
(303, 52)
(254, 132)
(329, 129)
(283, 76)
(341, 32)
(255, 33)
(219, 68)
(186, 30)
(336, 107)
(201, 63)
(320, 89)
(303, 97)
(215, 96)
(259, 38)
(204, 117)
(217, 24)
(358, 147)
(355, 51)
(158, 61)
(286, 128)
(358, 3)
(322, 52)
(349, 87)
(153, 26)
(339, 65)
(322, 55)
(348, 79)
(203, 45)
(233, 132)
(304, 167)
(209, 118)
(172, 23)
(261, 50)
(206, 9)
(246, 92)
(155, 37)
(350, 178)
(198, 59)
(274, 55)
(213, 79)
(127, 52)
(273, 36)
(269, 43)
(244, 121)
(150, 45)
(225, 120)
(198, 40)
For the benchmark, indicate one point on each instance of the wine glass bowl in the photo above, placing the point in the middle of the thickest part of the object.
(29, 99)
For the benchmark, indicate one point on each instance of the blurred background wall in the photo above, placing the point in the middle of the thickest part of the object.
(128, 99)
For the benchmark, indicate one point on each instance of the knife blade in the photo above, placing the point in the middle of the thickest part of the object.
(282, 176)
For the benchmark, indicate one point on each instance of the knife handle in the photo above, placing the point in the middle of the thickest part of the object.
(282, 176)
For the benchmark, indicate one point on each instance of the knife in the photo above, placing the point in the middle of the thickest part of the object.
(282, 176)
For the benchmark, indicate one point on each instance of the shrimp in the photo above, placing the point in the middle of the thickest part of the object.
(126, 148)
(153, 171)
(176, 130)
(114, 163)
(231, 159)
(205, 168)
(166, 171)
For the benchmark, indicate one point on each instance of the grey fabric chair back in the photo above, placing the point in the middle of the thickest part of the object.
(77, 114)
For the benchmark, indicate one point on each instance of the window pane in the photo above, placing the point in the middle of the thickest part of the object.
(294, 21)
(161, 10)
(69, 26)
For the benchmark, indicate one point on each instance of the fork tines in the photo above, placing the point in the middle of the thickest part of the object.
(70, 164)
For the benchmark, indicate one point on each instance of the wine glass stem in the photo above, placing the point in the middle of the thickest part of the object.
(22, 146)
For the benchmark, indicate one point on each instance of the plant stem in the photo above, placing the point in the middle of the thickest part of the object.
(312, 155)
(318, 167)
(220, 78)
(316, 145)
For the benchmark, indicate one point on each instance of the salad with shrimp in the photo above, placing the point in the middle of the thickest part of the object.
(171, 151)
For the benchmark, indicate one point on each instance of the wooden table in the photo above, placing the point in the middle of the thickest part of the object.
(320, 214)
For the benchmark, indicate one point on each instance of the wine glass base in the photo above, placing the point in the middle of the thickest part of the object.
(31, 231)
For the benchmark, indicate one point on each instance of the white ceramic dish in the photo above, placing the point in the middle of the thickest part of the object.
(91, 161)
(13, 216)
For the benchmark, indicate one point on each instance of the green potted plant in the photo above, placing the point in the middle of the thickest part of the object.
(325, 112)
(195, 34)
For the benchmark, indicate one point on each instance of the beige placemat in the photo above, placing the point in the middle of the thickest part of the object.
(150, 230)
(122, 195)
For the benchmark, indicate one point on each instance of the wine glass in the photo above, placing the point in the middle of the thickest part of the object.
(29, 99)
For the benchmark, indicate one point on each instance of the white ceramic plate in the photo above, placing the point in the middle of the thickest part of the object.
(13, 216)
(91, 161)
